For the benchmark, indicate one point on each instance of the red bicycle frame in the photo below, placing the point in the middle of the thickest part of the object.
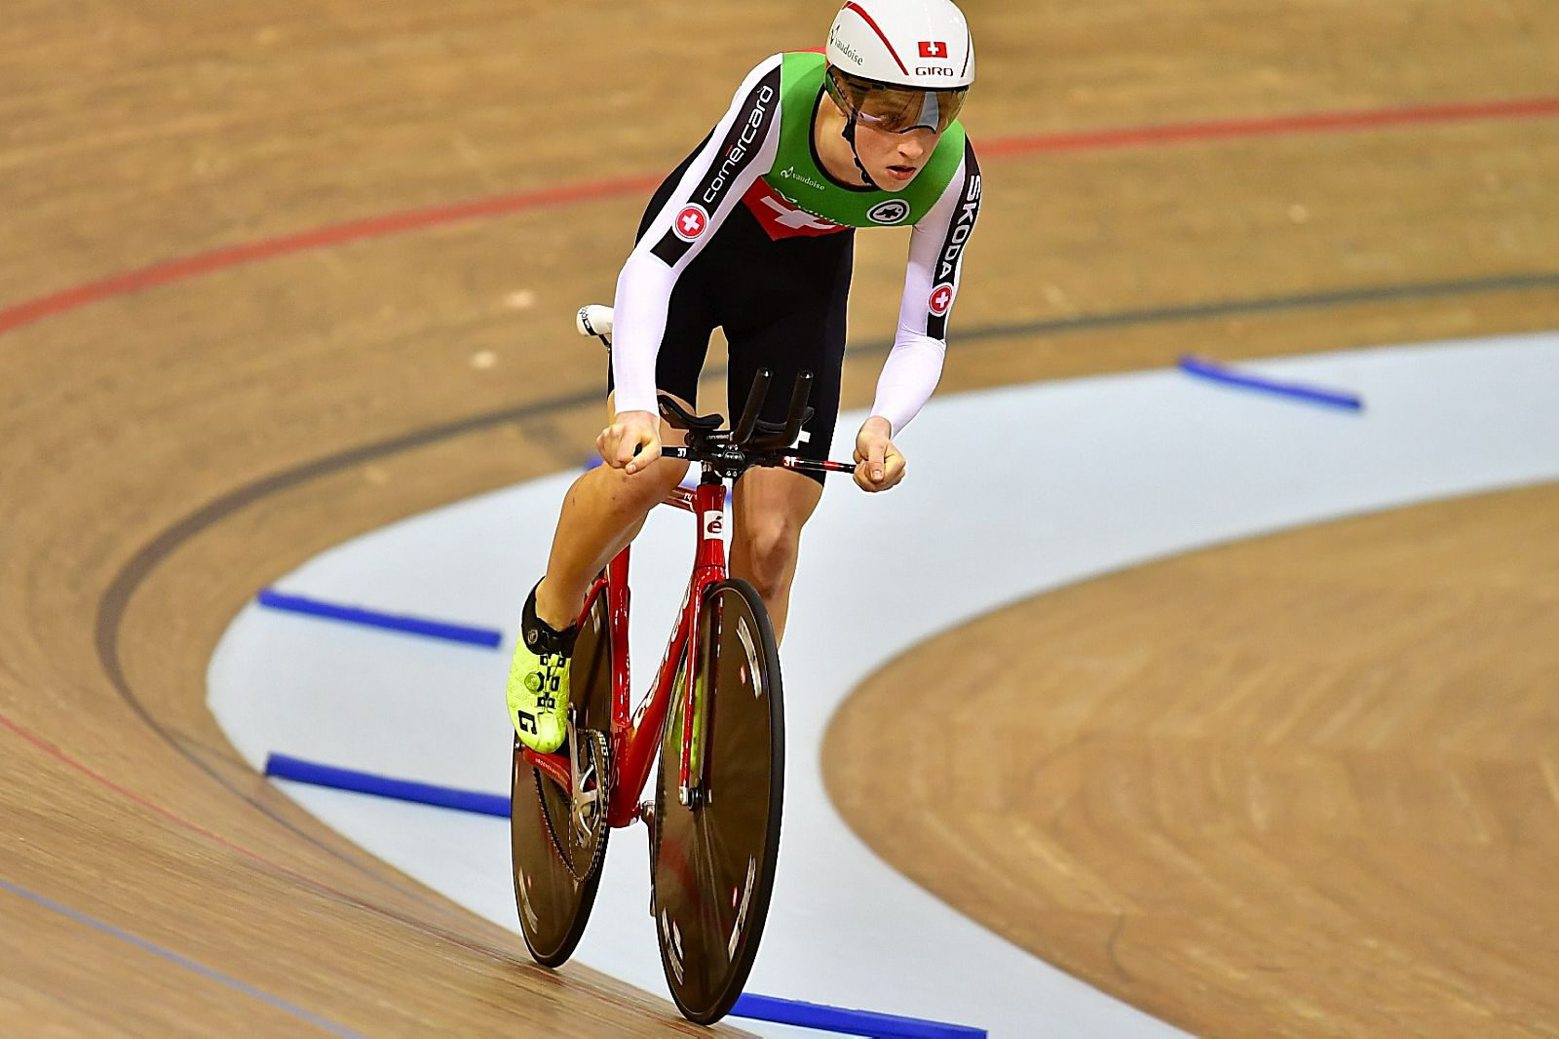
(636, 739)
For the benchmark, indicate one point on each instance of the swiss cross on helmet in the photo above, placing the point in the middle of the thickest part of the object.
(923, 44)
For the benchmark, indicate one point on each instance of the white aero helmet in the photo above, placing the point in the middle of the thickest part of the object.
(914, 60)
(908, 43)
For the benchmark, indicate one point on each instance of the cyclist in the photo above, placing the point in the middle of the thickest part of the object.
(754, 232)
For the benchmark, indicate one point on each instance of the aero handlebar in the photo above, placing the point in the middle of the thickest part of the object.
(752, 442)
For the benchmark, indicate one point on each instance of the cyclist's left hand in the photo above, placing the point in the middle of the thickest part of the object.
(878, 464)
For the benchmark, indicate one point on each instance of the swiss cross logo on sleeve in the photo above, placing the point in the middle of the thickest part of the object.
(941, 300)
(933, 49)
(691, 223)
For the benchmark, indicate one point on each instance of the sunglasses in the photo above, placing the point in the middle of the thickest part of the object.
(895, 109)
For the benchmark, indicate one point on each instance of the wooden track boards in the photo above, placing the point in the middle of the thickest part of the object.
(165, 452)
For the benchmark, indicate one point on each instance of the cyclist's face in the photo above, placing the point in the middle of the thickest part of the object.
(894, 160)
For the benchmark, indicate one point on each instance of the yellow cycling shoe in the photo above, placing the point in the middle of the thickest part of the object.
(538, 699)
(538, 683)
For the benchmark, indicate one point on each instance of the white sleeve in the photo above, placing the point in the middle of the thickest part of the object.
(936, 248)
(741, 148)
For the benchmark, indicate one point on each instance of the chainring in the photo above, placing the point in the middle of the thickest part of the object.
(589, 801)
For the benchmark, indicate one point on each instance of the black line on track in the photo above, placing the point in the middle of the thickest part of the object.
(116, 599)
(1269, 305)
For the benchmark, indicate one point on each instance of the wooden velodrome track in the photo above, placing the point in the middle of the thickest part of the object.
(1336, 814)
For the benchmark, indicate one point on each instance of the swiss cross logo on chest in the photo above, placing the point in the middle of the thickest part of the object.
(780, 217)
(933, 49)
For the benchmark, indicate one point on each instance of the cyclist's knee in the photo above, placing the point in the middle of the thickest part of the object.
(644, 490)
(769, 544)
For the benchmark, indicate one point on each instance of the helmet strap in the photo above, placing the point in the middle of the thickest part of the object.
(849, 135)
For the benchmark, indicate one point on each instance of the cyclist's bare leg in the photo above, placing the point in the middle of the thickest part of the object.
(602, 512)
(769, 508)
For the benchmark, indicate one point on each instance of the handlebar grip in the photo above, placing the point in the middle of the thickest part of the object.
(808, 465)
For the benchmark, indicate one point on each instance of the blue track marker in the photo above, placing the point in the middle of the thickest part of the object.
(1308, 394)
(753, 1007)
(848, 1022)
(281, 766)
(387, 621)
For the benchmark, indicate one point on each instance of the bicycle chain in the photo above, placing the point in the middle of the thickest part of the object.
(603, 785)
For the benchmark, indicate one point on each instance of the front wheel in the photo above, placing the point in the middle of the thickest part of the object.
(714, 859)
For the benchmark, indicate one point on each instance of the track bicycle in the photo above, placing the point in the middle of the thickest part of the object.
(714, 717)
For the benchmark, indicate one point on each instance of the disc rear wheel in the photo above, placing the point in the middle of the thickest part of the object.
(714, 858)
(557, 841)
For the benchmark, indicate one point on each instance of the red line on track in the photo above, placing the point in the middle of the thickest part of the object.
(1319, 122)
(27, 312)
(59, 755)
(337, 234)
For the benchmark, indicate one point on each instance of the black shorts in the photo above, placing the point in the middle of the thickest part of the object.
(783, 306)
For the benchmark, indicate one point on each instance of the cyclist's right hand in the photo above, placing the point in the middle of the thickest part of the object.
(631, 442)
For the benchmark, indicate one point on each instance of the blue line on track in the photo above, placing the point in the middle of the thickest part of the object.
(182, 961)
(1308, 394)
(848, 1022)
(281, 766)
(461, 633)
(753, 1007)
